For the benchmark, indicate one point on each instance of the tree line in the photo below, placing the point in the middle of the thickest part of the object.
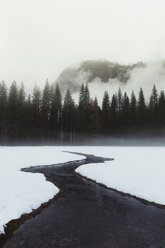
(45, 116)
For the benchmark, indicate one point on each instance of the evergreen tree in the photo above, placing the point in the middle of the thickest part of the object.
(161, 110)
(13, 101)
(81, 114)
(55, 109)
(113, 115)
(86, 99)
(141, 110)
(84, 109)
(30, 119)
(36, 108)
(87, 109)
(3, 100)
(125, 112)
(125, 102)
(95, 117)
(153, 108)
(105, 113)
(36, 102)
(119, 110)
(68, 116)
(154, 98)
(28, 109)
(21, 112)
(45, 106)
(119, 100)
(133, 110)
(3, 108)
(12, 112)
(81, 98)
(21, 95)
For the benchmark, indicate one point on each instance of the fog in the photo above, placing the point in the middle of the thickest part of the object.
(145, 77)
(39, 38)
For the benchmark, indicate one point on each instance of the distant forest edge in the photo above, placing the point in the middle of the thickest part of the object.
(47, 118)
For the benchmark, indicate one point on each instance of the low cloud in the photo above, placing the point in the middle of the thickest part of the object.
(145, 77)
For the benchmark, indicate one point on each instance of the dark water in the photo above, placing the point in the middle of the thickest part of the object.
(88, 216)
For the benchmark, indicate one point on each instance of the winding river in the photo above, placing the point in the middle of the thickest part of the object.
(86, 215)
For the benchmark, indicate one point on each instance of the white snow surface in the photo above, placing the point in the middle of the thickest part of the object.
(139, 171)
(21, 192)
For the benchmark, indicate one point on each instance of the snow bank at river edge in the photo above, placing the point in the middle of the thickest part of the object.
(22, 192)
(139, 171)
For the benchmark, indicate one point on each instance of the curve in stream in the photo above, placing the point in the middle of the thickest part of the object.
(88, 216)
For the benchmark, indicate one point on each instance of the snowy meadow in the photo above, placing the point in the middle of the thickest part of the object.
(139, 171)
(22, 192)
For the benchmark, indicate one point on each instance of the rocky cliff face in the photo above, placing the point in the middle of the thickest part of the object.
(95, 71)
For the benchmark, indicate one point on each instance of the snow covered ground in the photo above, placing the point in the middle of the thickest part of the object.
(139, 171)
(22, 192)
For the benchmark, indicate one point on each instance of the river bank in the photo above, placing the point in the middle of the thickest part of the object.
(88, 216)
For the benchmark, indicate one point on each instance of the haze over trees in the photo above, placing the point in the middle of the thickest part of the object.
(47, 117)
(101, 71)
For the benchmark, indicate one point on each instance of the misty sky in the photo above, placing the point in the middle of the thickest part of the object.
(39, 38)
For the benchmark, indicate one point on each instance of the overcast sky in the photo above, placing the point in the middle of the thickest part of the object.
(39, 38)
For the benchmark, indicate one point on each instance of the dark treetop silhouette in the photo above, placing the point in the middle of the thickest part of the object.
(45, 117)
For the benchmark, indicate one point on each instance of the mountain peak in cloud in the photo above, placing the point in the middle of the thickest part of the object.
(101, 71)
